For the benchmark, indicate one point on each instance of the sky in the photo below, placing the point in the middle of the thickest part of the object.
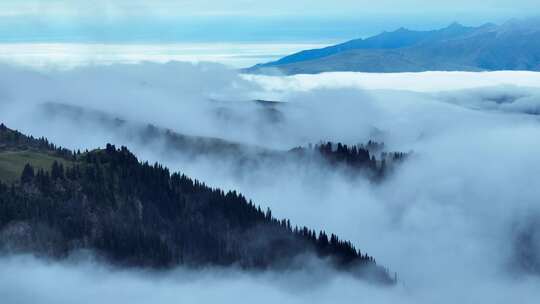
(237, 33)
(237, 20)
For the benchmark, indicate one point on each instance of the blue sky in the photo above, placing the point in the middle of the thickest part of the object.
(237, 20)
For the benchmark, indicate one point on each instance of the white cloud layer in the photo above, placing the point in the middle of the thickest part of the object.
(70, 55)
(418, 82)
(448, 221)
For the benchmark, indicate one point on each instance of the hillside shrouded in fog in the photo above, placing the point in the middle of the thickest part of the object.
(377, 152)
(458, 220)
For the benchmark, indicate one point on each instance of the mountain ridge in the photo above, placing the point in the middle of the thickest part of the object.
(513, 45)
(134, 214)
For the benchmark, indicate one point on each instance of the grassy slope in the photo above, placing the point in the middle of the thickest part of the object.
(12, 163)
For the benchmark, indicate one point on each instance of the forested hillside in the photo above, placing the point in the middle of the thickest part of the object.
(138, 214)
(371, 159)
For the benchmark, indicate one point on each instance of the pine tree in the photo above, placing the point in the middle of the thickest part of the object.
(57, 171)
(27, 174)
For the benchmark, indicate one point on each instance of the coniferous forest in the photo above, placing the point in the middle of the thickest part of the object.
(371, 160)
(137, 214)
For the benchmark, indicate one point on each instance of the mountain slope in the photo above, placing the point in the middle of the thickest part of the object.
(16, 150)
(365, 160)
(386, 40)
(514, 45)
(136, 214)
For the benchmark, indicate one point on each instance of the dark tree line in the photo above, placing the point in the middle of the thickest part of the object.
(353, 156)
(12, 139)
(140, 214)
(359, 158)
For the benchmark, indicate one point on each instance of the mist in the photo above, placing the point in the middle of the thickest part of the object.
(451, 220)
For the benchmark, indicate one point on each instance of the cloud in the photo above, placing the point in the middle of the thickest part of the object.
(69, 55)
(418, 82)
(452, 220)
(499, 98)
(26, 280)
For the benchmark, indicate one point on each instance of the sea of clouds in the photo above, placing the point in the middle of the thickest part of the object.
(458, 221)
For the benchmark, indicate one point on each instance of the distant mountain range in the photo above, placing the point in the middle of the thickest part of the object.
(514, 45)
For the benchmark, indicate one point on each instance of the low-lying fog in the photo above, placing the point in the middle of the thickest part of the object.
(458, 221)
(44, 56)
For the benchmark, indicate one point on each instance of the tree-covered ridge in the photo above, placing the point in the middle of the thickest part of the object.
(366, 160)
(17, 149)
(369, 159)
(15, 140)
(138, 214)
(357, 158)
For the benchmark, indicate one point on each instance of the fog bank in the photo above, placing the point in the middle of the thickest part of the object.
(457, 220)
